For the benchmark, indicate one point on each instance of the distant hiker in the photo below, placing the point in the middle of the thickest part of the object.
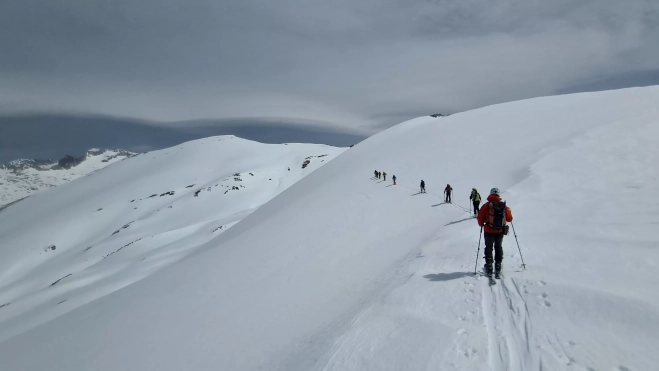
(289, 169)
(379, 175)
(447, 193)
(376, 174)
(384, 175)
(423, 186)
(493, 217)
(475, 198)
(394, 179)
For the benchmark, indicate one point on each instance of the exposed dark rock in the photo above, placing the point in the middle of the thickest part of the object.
(55, 283)
(190, 186)
(63, 301)
(119, 249)
(307, 161)
(4, 305)
(124, 227)
(69, 161)
(170, 193)
(99, 209)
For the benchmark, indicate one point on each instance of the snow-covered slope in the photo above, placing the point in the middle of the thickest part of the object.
(21, 178)
(344, 272)
(67, 246)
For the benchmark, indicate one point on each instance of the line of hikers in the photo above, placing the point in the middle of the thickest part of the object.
(382, 175)
(493, 218)
(448, 191)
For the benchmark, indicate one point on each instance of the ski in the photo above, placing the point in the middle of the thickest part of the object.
(490, 279)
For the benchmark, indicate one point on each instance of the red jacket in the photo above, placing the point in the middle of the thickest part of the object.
(484, 213)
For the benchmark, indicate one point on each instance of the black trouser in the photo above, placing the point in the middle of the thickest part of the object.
(423, 189)
(448, 197)
(476, 207)
(493, 240)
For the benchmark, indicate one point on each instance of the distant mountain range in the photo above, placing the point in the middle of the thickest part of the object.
(21, 178)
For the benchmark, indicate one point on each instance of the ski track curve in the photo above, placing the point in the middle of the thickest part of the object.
(509, 327)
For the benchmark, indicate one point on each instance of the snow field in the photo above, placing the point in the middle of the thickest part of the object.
(344, 272)
(109, 230)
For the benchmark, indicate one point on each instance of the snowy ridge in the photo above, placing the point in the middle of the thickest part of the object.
(120, 224)
(342, 271)
(21, 178)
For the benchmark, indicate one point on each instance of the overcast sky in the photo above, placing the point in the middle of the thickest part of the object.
(360, 65)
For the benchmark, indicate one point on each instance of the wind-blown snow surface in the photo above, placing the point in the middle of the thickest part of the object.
(344, 272)
(68, 246)
(18, 184)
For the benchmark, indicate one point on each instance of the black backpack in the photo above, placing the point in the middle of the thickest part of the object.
(497, 217)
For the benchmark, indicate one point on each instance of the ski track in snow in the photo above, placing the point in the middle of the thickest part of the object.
(508, 326)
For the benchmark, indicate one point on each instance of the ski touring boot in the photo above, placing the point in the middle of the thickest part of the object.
(497, 270)
(487, 269)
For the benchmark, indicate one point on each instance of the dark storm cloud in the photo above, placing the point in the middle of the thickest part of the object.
(53, 136)
(346, 62)
(615, 81)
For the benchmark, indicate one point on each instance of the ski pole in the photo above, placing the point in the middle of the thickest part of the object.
(479, 249)
(518, 248)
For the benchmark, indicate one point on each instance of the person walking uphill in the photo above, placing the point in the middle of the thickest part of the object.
(423, 187)
(475, 198)
(384, 175)
(447, 193)
(394, 179)
(493, 217)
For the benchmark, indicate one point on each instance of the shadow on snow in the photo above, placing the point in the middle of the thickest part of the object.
(460, 221)
(447, 276)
